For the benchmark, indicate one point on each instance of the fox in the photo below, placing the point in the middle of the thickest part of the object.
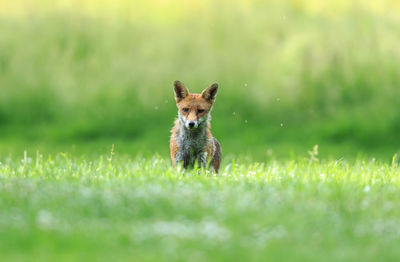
(191, 138)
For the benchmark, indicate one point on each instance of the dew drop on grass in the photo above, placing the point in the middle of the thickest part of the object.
(281, 124)
(156, 108)
(234, 113)
(245, 121)
(367, 189)
(245, 84)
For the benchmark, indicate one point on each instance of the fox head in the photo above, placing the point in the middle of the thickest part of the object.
(194, 109)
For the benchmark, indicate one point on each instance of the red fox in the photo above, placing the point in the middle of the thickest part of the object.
(191, 138)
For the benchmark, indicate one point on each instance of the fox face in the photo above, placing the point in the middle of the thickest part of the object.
(194, 109)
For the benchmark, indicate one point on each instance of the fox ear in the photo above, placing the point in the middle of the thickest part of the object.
(210, 93)
(180, 91)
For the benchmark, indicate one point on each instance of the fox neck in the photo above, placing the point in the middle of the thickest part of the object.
(191, 142)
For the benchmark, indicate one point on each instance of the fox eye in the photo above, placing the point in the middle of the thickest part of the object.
(186, 110)
(200, 111)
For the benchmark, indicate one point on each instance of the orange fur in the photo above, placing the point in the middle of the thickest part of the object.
(195, 108)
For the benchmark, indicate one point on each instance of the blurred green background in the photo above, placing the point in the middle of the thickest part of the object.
(79, 76)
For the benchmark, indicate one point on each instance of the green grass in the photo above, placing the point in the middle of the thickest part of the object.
(63, 208)
(79, 76)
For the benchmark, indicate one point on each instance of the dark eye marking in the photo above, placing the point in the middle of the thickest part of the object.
(199, 111)
(186, 110)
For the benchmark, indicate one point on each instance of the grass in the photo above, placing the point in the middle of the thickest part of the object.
(114, 207)
(79, 76)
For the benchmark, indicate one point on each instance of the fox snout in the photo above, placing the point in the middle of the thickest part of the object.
(192, 124)
(189, 123)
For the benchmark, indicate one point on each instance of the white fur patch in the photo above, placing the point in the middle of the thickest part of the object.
(185, 122)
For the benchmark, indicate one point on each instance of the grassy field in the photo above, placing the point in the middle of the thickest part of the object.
(80, 76)
(64, 208)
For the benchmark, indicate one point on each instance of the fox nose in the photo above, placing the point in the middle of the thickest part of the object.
(191, 124)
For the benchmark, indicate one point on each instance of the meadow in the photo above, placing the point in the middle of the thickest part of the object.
(307, 114)
(114, 208)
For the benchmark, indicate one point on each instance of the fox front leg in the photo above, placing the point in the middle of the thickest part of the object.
(202, 160)
(184, 159)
